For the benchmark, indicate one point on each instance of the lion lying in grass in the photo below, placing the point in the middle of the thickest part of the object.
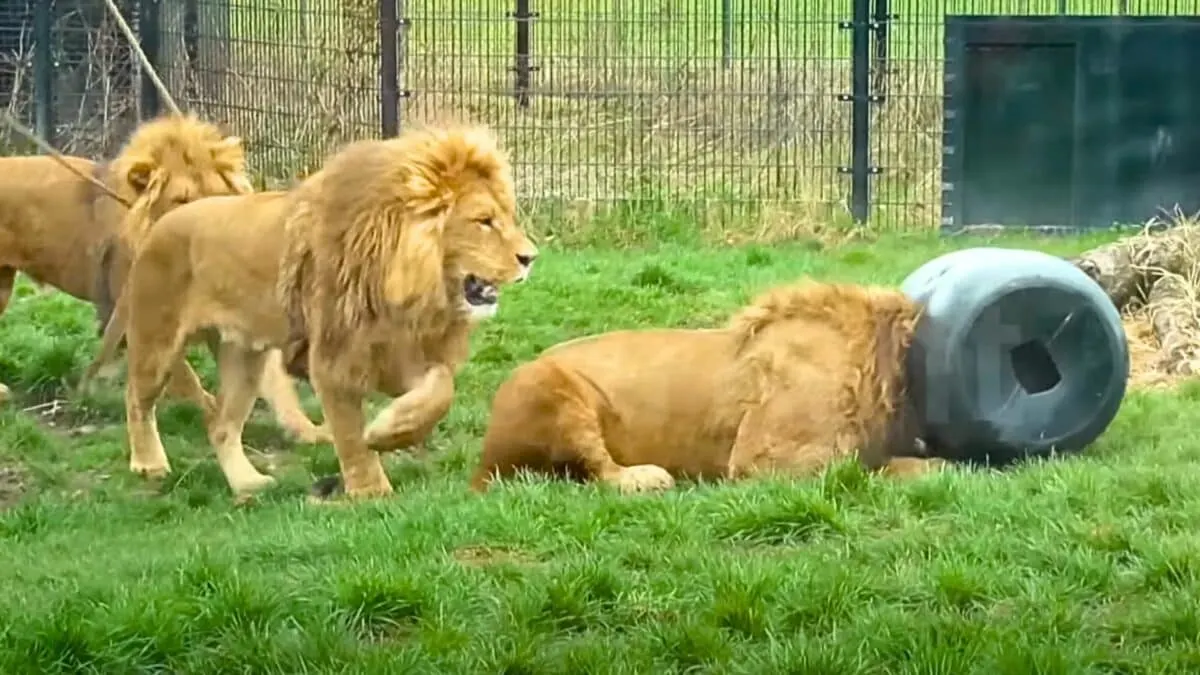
(370, 273)
(64, 231)
(805, 375)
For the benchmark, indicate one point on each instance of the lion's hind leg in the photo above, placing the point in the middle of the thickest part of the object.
(546, 417)
(150, 363)
(184, 383)
(278, 389)
(240, 371)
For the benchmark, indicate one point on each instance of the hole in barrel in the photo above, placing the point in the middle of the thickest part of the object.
(1034, 367)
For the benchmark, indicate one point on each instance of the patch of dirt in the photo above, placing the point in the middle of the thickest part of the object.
(14, 485)
(57, 416)
(482, 556)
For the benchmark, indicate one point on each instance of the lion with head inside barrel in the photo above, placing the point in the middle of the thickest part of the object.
(369, 275)
(806, 375)
(74, 234)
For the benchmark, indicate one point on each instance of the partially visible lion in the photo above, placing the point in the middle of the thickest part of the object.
(807, 374)
(67, 232)
(370, 273)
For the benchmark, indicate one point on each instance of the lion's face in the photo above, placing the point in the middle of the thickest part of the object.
(485, 248)
(181, 175)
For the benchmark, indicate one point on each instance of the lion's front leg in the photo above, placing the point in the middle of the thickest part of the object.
(362, 470)
(408, 419)
(780, 436)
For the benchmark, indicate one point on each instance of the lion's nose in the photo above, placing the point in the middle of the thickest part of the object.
(525, 259)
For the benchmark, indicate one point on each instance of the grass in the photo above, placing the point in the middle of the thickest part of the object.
(1085, 564)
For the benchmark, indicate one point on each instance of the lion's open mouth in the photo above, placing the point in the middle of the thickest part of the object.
(479, 293)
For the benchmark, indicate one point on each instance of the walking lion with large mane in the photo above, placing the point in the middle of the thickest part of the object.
(806, 375)
(369, 275)
(76, 235)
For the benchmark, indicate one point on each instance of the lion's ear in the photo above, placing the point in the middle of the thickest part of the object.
(240, 183)
(230, 145)
(139, 175)
(415, 270)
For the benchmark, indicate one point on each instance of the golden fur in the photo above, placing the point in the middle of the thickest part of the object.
(64, 231)
(56, 226)
(807, 374)
(363, 273)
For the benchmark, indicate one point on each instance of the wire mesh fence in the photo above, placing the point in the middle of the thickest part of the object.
(294, 79)
(16, 62)
(729, 111)
(683, 103)
(86, 97)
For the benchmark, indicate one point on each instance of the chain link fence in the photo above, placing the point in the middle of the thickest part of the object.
(730, 111)
(77, 87)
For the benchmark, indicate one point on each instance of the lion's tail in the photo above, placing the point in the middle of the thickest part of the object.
(114, 332)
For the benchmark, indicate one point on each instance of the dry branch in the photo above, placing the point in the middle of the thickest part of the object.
(1172, 307)
(1128, 268)
(1160, 271)
(137, 50)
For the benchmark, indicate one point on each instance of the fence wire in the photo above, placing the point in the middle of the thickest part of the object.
(718, 106)
(16, 64)
(294, 79)
(91, 104)
(728, 109)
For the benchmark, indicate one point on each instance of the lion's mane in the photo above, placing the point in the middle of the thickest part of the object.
(873, 325)
(138, 174)
(360, 248)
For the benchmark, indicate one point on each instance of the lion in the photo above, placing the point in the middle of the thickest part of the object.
(807, 374)
(369, 274)
(70, 233)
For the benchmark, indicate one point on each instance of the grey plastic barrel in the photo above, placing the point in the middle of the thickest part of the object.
(1018, 353)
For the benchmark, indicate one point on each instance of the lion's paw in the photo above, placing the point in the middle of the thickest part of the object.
(915, 466)
(152, 470)
(643, 478)
(331, 490)
(312, 433)
(5, 394)
(251, 483)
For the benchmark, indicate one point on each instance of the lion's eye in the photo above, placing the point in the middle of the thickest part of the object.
(486, 223)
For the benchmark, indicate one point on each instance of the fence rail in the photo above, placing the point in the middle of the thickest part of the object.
(728, 110)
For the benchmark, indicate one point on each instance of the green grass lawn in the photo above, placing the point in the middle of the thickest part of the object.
(1079, 565)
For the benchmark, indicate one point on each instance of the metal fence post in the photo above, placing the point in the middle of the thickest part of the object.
(389, 74)
(860, 111)
(43, 69)
(402, 25)
(191, 48)
(522, 66)
(149, 34)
